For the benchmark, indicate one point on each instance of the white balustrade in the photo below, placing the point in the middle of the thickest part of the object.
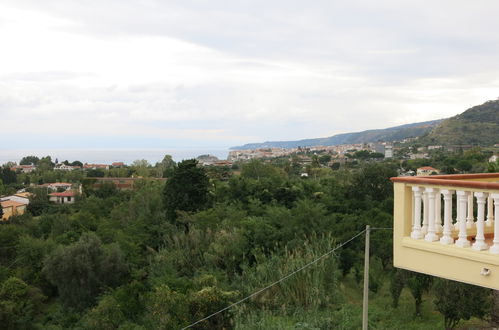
(431, 224)
(495, 248)
(447, 231)
(490, 211)
(438, 211)
(416, 228)
(470, 218)
(480, 224)
(431, 235)
(462, 199)
(424, 228)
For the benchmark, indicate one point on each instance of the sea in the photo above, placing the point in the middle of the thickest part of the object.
(108, 156)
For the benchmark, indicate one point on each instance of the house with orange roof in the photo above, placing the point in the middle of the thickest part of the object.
(96, 166)
(426, 170)
(11, 208)
(65, 197)
(24, 168)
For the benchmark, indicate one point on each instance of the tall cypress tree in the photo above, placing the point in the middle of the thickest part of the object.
(186, 190)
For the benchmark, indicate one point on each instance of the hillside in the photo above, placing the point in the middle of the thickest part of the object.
(478, 125)
(387, 134)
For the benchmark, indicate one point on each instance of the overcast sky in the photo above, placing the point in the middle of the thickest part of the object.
(174, 74)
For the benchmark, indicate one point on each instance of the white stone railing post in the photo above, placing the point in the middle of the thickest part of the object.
(438, 211)
(470, 218)
(424, 228)
(431, 236)
(480, 224)
(462, 198)
(416, 229)
(447, 230)
(490, 211)
(495, 248)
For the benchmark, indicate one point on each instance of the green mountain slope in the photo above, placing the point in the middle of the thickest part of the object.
(478, 125)
(374, 135)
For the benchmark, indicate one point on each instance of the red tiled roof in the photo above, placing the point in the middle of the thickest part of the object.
(427, 168)
(57, 184)
(63, 194)
(95, 165)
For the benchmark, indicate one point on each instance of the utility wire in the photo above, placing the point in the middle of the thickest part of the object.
(276, 282)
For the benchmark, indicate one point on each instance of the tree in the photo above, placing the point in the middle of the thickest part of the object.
(209, 300)
(106, 315)
(373, 180)
(141, 167)
(464, 165)
(165, 167)
(187, 190)
(19, 304)
(418, 284)
(256, 169)
(7, 175)
(28, 160)
(324, 159)
(81, 270)
(97, 173)
(459, 301)
(106, 189)
(397, 283)
(167, 309)
(39, 202)
(140, 163)
(46, 164)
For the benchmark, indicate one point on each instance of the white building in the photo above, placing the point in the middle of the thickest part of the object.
(426, 170)
(388, 151)
(24, 168)
(57, 186)
(64, 167)
(66, 197)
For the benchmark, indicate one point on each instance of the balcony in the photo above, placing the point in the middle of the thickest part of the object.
(444, 226)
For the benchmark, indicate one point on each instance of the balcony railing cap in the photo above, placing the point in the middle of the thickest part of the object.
(454, 180)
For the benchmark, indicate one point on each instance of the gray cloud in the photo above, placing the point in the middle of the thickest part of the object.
(257, 69)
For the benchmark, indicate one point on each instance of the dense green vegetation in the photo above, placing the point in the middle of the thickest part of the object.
(165, 255)
(476, 126)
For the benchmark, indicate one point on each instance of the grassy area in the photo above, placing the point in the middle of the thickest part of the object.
(349, 314)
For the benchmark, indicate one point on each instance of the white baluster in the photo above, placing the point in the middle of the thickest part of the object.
(431, 236)
(456, 222)
(495, 248)
(470, 218)
(462, 198)
(438, 211)
(447, 231)
(424, 228)
(480, 224)
(416, 229)
(490, 211)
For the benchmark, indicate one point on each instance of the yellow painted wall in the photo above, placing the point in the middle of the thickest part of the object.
(447, 261)
(20, 210)
(7, 212)
(10, 211)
